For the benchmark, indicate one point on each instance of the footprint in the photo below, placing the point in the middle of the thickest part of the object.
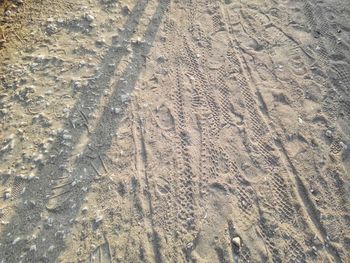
(165, 119)
(60, 194)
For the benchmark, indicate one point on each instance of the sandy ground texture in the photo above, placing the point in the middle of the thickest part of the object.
(175, 131)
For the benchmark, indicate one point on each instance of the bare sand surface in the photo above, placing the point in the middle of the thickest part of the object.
(174, 131)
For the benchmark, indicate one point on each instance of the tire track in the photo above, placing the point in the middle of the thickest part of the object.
(258, 125)
(300, 188)
(327, 45)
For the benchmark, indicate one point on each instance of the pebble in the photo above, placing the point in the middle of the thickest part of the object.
(51, 248)
(98, 219)
(51, 28)
(116, 110)
(101, 42)
(31, 176)
(343, 145)
(8, 13)
(16, 240)
(237, 241)
(138, 40)
(8, 193)
(329, 133)
(190, 245)
(32, 248)
(89, 18)
(125, 97)
(9, 144)
(67, 136)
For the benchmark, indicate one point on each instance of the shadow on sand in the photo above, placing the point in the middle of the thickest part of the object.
(28, 220)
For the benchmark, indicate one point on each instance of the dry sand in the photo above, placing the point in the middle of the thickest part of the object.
(175, 131)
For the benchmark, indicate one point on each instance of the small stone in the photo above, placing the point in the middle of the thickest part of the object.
(38, 158)
(8, 13)
(51, 248)
(8, 193)
(77, 84)
(89, 18)
(125, 97)
(9, 144)
(138, 40)
(343, 145)
(329, 133)
(51, 28)
(101, 42)
(67, 136)
(32, 248)
(116, 110)
(98, 219)
(16, 240)
(237, 241)
(31, 176)
(190, 245)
